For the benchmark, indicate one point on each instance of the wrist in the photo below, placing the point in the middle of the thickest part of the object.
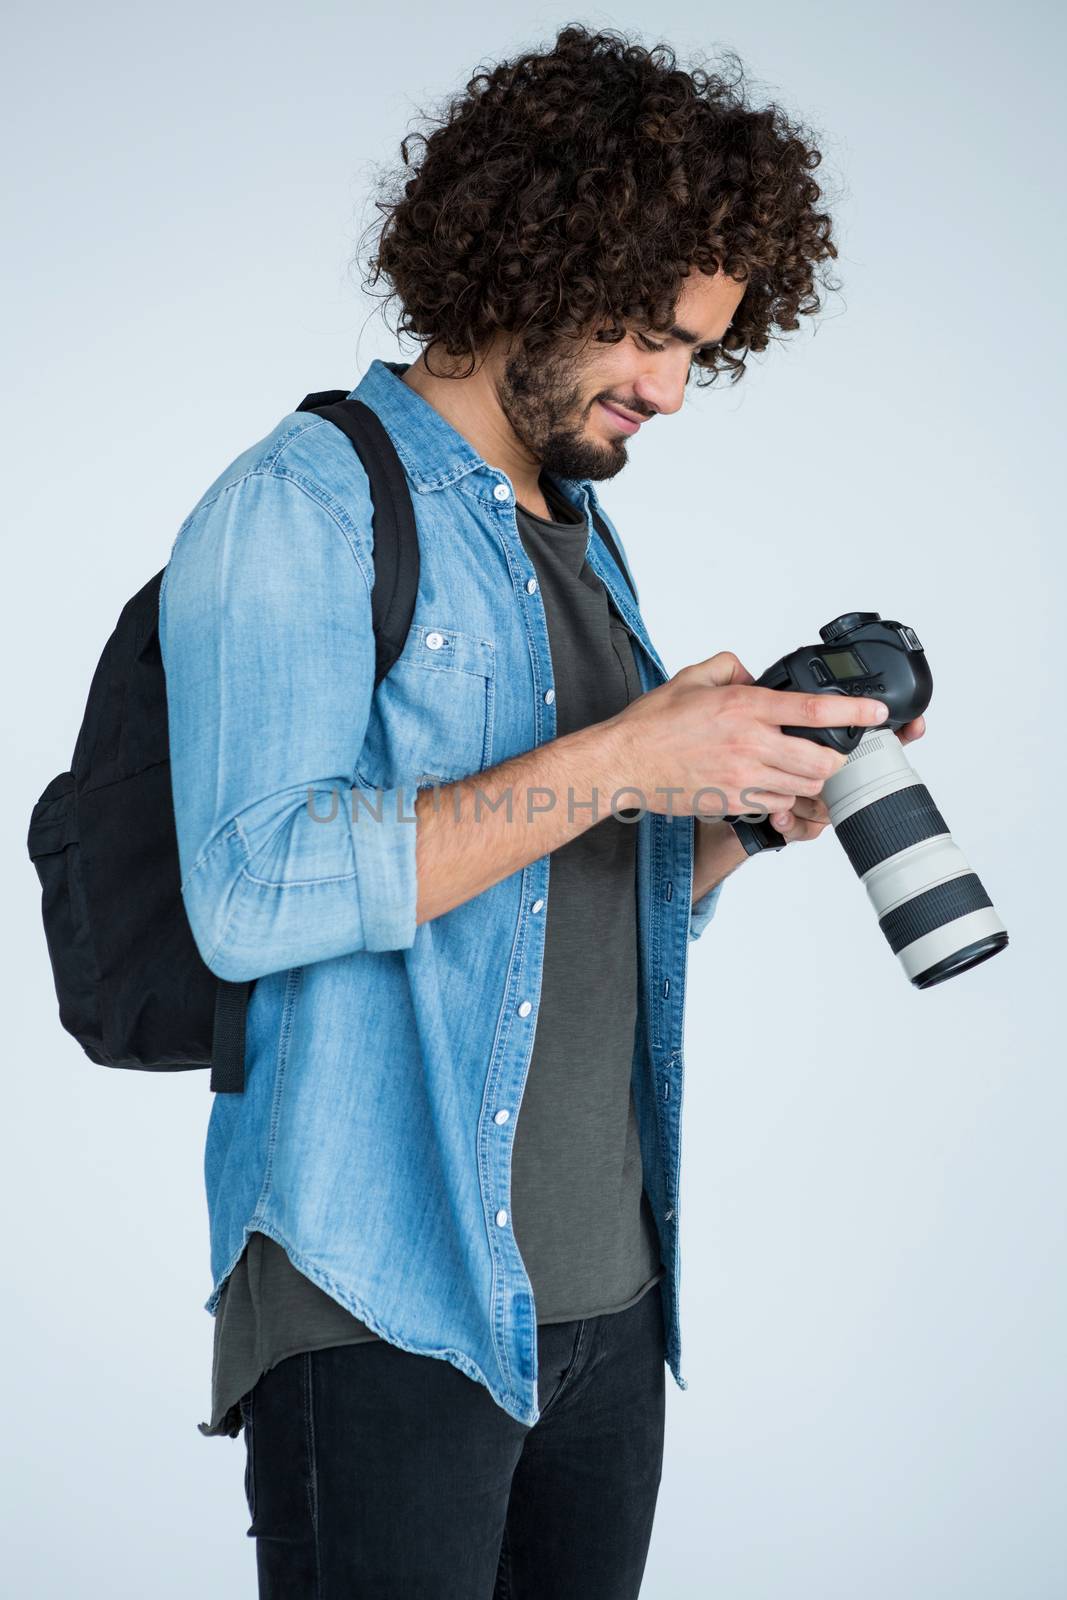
(717, 851)
(609, 754)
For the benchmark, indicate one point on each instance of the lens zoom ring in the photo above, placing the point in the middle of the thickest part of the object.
(933, 909)
(887, 826)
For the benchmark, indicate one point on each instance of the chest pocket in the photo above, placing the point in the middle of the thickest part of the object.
(431, 718)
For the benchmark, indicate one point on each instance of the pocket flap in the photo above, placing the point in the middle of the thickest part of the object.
(436, 646)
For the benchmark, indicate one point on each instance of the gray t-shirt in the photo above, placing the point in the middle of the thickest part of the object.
(582, 1220)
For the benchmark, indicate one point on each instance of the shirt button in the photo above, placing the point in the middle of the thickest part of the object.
(525, 1009)
(434, 641)
(531, 586)
(502, 1116)
(537, 905)
(550, 695)
(501, 492)
(501, 1218)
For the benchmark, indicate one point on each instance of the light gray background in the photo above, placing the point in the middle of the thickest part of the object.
(873, 1204)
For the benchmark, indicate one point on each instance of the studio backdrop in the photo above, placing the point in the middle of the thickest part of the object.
(872, 1209)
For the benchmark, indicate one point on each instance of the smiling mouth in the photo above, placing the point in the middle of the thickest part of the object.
(628, 424)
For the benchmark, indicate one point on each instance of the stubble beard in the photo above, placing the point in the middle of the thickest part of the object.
(548, 411)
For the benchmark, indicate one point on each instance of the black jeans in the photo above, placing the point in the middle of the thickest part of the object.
(374, 1472)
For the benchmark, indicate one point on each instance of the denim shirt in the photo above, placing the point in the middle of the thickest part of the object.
(371, 1139)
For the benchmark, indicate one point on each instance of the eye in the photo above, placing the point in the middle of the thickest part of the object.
(705, 354)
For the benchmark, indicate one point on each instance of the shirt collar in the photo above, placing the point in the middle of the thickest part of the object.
(434, 454)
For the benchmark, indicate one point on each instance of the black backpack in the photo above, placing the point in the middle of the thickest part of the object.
(131, 984)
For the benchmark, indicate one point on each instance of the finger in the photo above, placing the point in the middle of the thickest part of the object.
(774, 787)
(788, 708)
(792, 827)
(805, 808)
(912, 730)
(795, 828)
(803, 756)
(808, 783)
(812, 810)
(752, 804)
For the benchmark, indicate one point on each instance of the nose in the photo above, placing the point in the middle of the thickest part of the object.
(662, 389)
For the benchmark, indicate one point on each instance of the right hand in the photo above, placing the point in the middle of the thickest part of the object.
(711, 727)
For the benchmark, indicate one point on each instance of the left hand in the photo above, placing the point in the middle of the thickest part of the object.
(810, 815)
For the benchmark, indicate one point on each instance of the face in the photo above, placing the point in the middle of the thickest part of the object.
(561, 407)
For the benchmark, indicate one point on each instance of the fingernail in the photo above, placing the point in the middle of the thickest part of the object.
(882, 712)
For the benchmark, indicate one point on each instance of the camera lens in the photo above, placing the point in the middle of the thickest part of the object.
(932, 908)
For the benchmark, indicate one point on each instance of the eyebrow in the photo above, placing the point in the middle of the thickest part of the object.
(686, 337)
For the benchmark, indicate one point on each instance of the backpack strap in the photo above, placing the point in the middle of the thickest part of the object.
(396, 584)
(396, 539)
(228, 1037)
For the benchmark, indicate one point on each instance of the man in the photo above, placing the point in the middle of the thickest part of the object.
(443, 1324)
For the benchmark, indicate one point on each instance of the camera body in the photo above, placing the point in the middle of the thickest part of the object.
(859, 653)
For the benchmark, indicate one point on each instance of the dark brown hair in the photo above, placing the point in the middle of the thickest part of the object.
(573, 189)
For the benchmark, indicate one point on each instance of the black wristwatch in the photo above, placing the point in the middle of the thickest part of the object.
(759, 836)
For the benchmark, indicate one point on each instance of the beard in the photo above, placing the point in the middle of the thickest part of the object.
(546, 407)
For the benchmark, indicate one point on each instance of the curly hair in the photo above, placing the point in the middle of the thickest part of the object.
(576, 188)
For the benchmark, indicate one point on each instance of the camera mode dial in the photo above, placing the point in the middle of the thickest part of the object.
(846, 623)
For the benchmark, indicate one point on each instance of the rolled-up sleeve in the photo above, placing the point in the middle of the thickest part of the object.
(268, 649)
(703, 909)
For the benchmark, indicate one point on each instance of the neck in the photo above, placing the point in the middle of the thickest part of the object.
(470, 405)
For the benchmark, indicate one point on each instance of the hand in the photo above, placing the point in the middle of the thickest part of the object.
(809, 816)
(710, 741)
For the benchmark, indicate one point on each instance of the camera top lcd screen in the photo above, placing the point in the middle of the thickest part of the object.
(844, 664)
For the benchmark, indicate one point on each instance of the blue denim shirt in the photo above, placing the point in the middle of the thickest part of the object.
(367, 1141)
